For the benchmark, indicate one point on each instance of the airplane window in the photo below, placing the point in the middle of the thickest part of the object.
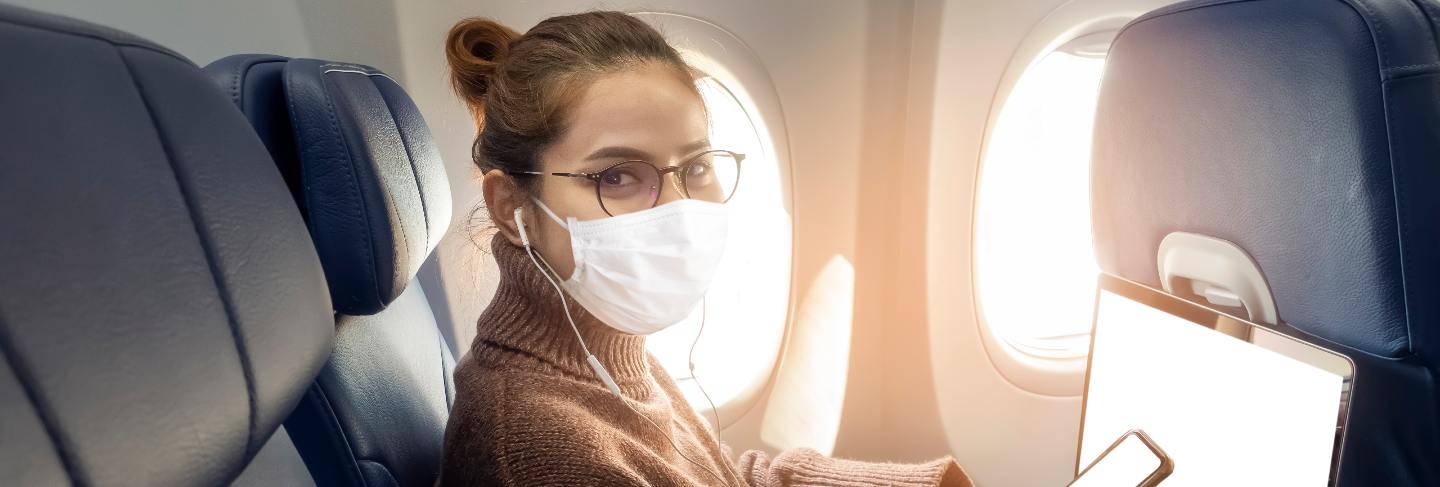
(1034, 263)
(746, 308)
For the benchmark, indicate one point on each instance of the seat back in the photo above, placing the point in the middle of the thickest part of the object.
(370, 181)
(1306, 133)
(161, 306)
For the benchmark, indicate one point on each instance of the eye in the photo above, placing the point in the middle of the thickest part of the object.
(699, 174)
(619, 176)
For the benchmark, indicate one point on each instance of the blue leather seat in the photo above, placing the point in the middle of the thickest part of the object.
(1308, 133)
(369, 180)
(161, 306)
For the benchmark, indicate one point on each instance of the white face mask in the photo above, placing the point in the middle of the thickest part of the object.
(645, 271)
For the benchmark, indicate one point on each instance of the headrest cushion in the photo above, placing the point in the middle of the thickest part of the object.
(362, 162)
(161, 307)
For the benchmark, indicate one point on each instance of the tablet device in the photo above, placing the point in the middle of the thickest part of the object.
(1231, 402)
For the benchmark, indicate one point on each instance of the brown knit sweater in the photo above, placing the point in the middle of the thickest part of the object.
(529, 411)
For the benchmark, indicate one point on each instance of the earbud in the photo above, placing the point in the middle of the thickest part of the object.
(520, 225)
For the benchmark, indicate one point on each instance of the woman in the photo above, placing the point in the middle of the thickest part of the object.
(609, 206)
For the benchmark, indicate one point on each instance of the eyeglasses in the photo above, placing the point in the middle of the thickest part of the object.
(631, 186)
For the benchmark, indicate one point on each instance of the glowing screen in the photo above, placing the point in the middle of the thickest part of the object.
(1227, 412)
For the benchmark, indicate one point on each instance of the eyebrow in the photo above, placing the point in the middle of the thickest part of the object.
(625, 152)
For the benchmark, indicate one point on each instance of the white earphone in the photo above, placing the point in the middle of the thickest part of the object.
(520, 224)
(600, 371)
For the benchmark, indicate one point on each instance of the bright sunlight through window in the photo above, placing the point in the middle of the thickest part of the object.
(746, 307)
(1034, 263)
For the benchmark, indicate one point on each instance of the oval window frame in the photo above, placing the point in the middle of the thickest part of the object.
(1046, 374)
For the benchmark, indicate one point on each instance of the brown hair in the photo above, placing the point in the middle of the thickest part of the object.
(519, 87)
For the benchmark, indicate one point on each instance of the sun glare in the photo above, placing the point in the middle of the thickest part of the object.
(1034, 262)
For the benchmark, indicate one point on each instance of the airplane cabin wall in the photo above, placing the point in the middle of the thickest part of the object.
(204, 31)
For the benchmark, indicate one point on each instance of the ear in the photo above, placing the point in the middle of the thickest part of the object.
(502, 198)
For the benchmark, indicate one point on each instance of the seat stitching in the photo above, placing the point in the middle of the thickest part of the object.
(370, 251)
(1406, 72)
(1428, 10)
(1379, 35)
(399, 215)
(1402, 217)
(222, 291)
(235, 85)
(58, 441)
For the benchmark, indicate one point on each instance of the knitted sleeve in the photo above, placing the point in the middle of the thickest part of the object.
(805, 467)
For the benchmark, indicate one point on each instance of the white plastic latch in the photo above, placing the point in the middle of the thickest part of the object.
(1219, 271)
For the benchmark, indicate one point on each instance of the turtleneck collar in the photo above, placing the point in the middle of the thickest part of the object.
(525, 317)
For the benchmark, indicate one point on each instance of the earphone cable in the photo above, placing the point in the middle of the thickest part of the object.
(563, 305)
(690, 359)
(590, 356)
(674, 445)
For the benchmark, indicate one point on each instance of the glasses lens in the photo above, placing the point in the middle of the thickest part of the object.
(628, 187)
(712, 177)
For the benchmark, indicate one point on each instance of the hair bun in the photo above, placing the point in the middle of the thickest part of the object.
(474, 49)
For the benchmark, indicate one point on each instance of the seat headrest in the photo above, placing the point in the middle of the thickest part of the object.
(161, 307)
(1303, 131)
(360, 161)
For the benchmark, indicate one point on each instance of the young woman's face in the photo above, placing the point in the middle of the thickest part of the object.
(645, 114)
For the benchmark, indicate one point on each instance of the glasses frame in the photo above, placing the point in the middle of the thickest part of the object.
(677, 181)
